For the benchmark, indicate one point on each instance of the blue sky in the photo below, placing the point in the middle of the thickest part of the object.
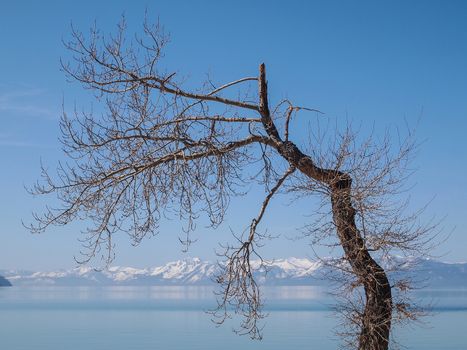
(371, 62)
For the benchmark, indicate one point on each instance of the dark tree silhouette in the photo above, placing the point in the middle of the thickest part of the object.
(161, 148)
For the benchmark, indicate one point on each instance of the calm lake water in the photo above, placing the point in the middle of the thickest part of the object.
(134, 318)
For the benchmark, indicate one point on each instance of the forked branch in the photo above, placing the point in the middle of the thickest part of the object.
(162, 149)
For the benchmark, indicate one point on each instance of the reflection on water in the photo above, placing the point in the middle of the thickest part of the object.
(173, 317)
(157, 297)
(150, 293)
(303, 295)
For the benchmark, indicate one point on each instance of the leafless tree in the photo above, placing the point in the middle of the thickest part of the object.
(161, 148)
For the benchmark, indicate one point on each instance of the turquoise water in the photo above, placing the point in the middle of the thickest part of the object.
(137, 318)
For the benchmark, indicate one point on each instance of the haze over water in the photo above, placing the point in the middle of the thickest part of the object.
(121, 318)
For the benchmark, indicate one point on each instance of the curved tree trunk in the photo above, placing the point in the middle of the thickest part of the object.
(376, 318)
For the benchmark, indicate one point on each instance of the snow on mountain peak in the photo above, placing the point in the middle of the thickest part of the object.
(194, 271)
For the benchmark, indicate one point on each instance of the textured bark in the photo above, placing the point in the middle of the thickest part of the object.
(376, 317)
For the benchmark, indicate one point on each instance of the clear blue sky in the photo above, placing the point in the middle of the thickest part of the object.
(379, 62)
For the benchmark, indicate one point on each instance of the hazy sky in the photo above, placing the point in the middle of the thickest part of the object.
(371, 62)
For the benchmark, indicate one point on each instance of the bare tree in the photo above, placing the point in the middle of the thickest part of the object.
(160, 148)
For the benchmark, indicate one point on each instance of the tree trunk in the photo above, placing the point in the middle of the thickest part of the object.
(376, 318)
(375, 321)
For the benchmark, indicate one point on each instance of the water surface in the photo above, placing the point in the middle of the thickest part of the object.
(123, 318)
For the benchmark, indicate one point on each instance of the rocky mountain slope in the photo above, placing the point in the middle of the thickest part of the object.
(4, 282)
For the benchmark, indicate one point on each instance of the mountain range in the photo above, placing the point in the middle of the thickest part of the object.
(194, 271)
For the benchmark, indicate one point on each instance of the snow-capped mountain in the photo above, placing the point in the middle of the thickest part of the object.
(182, 272)
(291, 271)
